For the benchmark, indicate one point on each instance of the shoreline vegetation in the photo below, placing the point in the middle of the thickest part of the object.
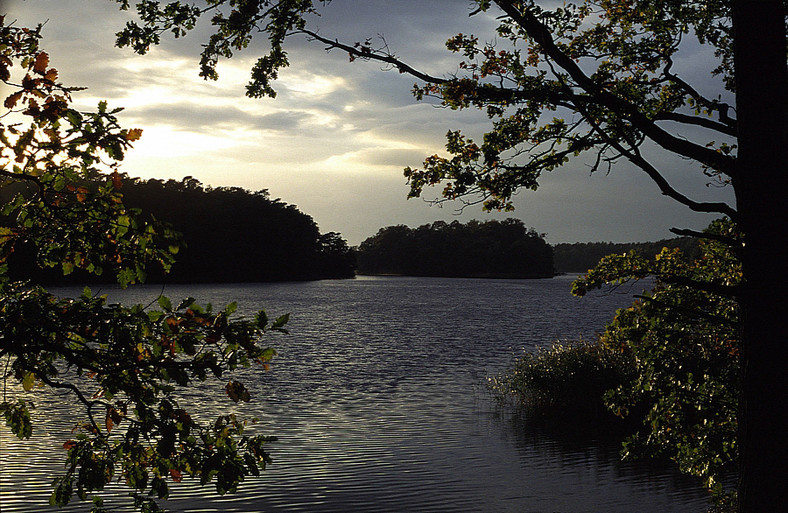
(474, 249)
(492, 249)
(664, 372)
(566, 380)
(570, 387)
(579, 257)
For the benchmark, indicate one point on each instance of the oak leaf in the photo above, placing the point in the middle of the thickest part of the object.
(41, 62)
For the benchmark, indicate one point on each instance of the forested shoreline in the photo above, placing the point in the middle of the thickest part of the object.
(582, 256)
(491, 249)
(223, 234)
(230, 234)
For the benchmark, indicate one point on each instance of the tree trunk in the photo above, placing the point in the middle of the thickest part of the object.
(761, 185)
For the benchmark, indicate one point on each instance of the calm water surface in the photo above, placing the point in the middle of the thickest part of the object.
(378, 402)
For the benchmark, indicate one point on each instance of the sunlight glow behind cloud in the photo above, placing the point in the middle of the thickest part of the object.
(312, 85)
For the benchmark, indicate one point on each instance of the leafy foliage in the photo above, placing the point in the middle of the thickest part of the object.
(233, 31)
(684, 341)
(492, 248)
(580, 83)
(123, 365)
(603, 72)
(73, 214)
(582, 256)
(668, 364)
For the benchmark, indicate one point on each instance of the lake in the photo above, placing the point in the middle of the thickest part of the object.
(378, 401)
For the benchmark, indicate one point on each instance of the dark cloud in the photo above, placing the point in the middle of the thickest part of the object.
(205, 118)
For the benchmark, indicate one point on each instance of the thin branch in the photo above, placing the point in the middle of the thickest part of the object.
(69, 386)
(696, 120)
(721, 108)
(686, 232)
(381, 57)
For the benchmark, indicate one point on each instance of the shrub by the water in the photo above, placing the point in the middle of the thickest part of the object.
(569, 379)
(668, 364)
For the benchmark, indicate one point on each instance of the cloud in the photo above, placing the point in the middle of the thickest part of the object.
(391, 157)
(339, 133)
(198, 117)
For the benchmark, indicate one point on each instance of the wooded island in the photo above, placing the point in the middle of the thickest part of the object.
(505, 249)
(224, 234)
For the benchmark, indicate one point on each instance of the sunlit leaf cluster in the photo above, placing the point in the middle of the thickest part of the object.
(125, 366)
(234, 22)
(61, 189)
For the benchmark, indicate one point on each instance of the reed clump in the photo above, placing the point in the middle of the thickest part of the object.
(564, 379)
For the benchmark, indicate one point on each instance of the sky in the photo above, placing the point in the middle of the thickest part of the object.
(335, 140)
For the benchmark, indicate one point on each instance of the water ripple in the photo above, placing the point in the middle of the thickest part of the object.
(377, 403)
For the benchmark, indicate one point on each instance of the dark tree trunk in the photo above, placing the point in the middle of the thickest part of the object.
(761, 185)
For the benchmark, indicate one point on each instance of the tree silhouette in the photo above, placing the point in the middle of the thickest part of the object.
(490, 249)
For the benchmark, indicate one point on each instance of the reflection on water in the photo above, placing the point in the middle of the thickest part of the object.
(378, 404)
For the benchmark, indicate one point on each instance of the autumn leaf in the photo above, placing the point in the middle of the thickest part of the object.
(237, 391)
(134, 134)
(117, 182)
(6, 234)
(10, 102)
(41, 63)
(29, 381)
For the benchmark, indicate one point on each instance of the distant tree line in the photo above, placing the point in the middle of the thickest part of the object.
(489, 249)
(582, 256)
(228, 234)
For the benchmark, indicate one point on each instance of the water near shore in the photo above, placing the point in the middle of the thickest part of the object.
(378, 402)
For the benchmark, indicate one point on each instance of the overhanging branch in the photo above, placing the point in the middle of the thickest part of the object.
(728, 241)
(541, 35)
(364, 53)
(636, 158)
(696, 120)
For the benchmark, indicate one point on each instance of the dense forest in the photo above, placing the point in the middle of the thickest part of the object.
(490, 249)
(582, 256)
(228, 234)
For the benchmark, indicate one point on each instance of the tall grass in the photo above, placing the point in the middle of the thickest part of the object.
(564, 379)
